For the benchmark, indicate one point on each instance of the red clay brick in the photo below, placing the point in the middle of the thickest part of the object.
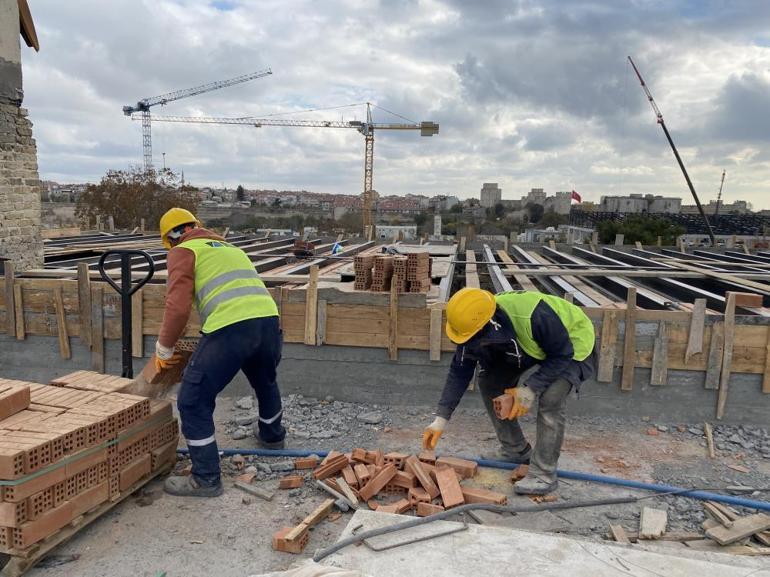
(503, 405)
(519, 473)
(306, 463)
(358, 455)
(362, 474)
(350, 477)
(372, 504)
(418, 495)
(475, 495)
(404, 479)
(428, 457)
(427, 509)
(280, 543)
(465, 469)
(13, 400)
(135, 471)
(331, 467)
(396, 459)
(291, 482)
(377, 483)
(449, 485)
(417, 468)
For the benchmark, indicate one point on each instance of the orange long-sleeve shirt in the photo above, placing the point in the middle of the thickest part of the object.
(180, 288)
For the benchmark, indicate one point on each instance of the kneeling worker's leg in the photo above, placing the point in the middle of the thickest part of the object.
(514, 446)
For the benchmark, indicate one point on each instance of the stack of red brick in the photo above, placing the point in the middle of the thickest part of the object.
(70, 447)
(411, 273)
(394, 483)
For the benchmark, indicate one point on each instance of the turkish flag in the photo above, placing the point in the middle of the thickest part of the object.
(576, 196)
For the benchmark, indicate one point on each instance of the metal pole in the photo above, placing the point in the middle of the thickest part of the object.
(125, 314)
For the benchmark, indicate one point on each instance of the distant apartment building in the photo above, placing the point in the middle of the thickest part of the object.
(737, 207)
(535, 196)
(491, 194)
(399, 205)
(638, 203)
(389, 232)
(561, 202)
(442, 202)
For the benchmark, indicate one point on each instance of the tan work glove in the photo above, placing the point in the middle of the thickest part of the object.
(523, 397)
(165, 357)
(432, 433)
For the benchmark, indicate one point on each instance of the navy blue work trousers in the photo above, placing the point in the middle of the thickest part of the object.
(253, 346)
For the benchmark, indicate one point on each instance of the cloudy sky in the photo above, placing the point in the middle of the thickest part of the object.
(528, 93)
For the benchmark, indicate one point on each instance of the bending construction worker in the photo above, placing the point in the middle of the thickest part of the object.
(530, 345)
(240, 331)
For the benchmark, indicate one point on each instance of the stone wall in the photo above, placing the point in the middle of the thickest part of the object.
(19, 190)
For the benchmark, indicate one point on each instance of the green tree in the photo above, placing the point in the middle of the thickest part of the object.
(134, 194)
(420, 219)
(240, 194)
(499, 210)
(456, 208)
(535, 212)
(642, 228)
(553, 218)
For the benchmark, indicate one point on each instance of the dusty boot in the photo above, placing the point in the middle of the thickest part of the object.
(535, 483)
(503, 454)
(280, 443)
(187, 486)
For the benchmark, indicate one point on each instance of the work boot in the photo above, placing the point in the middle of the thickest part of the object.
(520, 458)
(280, 443)
(188, 486)
(274, 446)
(534, 484)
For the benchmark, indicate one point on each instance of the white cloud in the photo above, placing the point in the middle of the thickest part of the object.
(528, 93)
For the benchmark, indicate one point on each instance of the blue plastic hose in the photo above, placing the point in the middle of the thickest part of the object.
(658, 488)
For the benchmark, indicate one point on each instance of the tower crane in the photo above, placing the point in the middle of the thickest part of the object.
(145, 104)
(366, 128)
(719, 195)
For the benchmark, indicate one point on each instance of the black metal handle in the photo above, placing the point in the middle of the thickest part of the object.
(126, 289)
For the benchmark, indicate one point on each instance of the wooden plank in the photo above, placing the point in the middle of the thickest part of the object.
(10, 309)
(311, 307)
(629, 346)
(519, 277)
(393, 327)
(619, 534)
(471, 270)
(436, 317)
(84, 303)
(608, 346)
(137, 325)
(766, 375)
(652, 523)
(714, 363)
(727, 355)
(749, 284)
(708, 431)
(97, 329)
(321, 323)
(569, 297)
(61, 324)
(660, 356)
(741, 529)
(638, 245)
(697, 324)
(18, 306)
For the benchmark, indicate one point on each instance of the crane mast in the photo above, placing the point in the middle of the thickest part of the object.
(719, 195)
(145, 104)
(662, 123)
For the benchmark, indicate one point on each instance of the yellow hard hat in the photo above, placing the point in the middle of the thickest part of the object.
(173, 218)
(467, 312)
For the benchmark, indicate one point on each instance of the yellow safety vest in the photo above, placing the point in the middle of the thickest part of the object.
(519, 306)
(227, 287)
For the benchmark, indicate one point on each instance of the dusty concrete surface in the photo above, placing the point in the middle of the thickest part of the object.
(230, 535)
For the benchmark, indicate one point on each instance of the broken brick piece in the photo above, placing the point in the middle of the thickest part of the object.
(476, 495)
(503, 405)
(417, 468)
(350, 477)
(358, 455)
(404, 479)
(306, 463)
(391, 489)
(377, 482)
(372, 504)
(375, 458)
(331, 467)
(449, 485)
(329, 456)
(519, 473)
(296, 545)
(428, 457)
(464, 468)
(427, 509)
(362, 474)
(291, 482)
(418, 495)
(396, 459)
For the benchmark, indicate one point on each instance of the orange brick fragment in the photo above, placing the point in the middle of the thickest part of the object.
(358, 455)
(418, 495)
(306, 463)
(404, 479)
(519, 473)
(428, 457)
(331, 466)
(281, 543)
(449, 485)
(465, 469)
(503, 405)
(379, 481)
(427, 509)
(417, 468)
(475, 495)
(291, 482)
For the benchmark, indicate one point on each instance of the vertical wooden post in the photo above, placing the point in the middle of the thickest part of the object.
(97, 329)
(141, 225)
(569, 297)
(638, 245)
(697, 325)
(10, 309)
(321, 323)
(137, 324)
(311, 306)
(629, 348)
(660, 356)
(61, 323)
(84, 303)
(714, 363)
(595, 237)
(727, 355)
(393, 329)
(18, 306)
(436, 316)
(766, 378)
(660, 240)
(619, 239)
(607, 347)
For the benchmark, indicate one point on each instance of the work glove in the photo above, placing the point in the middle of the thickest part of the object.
(523, 397)
(432, 433)
(165, 357)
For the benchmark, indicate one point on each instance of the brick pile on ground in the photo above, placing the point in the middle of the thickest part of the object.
(391, 483)
(383, 273)
(411, 273)
(72, 447)
(362, 267)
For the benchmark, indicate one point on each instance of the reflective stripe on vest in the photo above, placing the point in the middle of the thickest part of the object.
(227, 288)
(519, 306)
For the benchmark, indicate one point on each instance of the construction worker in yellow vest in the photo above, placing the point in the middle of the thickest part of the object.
(533, 346)
(240, 331)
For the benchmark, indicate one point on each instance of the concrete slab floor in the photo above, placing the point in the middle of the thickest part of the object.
(230, 536)
(480, 550)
